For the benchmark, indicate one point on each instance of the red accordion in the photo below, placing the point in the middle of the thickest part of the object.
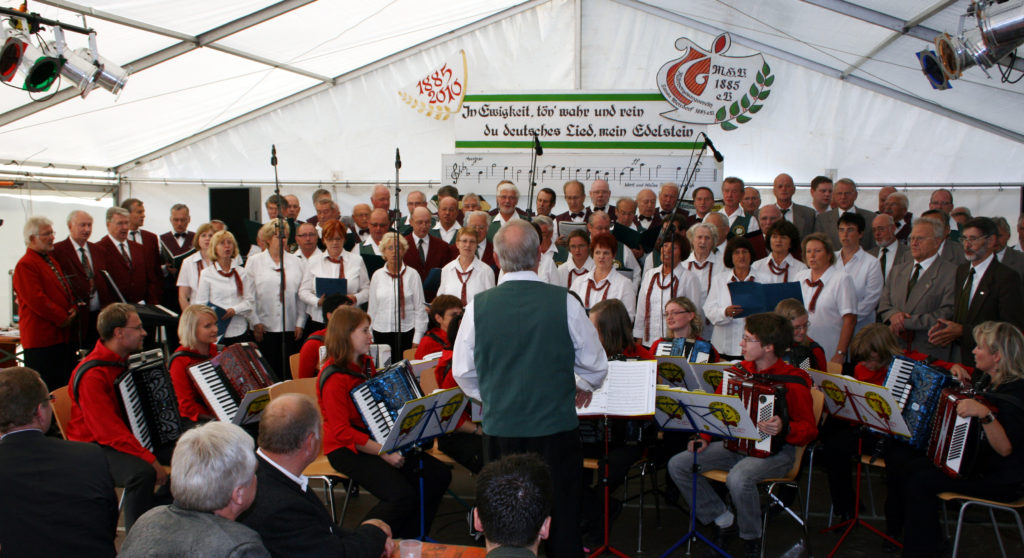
(763, 398)
(955, 440)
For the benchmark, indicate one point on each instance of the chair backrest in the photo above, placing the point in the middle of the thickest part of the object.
(305, 386)
(428, 382)
(293, 364)
(409, 354)
(818, 405)
(61, 408)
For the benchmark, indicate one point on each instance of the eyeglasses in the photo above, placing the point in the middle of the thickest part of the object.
(801, 327)
(973, 239)
(138, 327)
(751, 339)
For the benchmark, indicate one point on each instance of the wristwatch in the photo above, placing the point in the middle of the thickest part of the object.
(988, 419)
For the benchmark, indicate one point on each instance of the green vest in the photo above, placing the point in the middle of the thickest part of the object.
(525, 360)
(740, 227)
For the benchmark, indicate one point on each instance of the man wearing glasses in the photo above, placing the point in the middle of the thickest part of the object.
(97, 415)
(985, 290)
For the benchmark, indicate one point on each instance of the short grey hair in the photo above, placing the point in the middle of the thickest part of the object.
(179, 207)
(507, 185)
(938, 229)
(209, 463)
(847, 181)
(690, 232)
(1001, 224)
(544, 220)
(472, 214)
(71, 216)
(117, 211)
(387, 243)
(902, 198)
(519, 253)
(32, 226)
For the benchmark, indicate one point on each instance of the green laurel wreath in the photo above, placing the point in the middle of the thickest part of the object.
(749, 103)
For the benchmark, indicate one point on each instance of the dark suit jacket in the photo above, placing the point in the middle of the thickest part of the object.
(294, 523)
(998, 297)
(655, 223)
(931, 299)
(138, 282)
(828, 223)
(1014, 260)
(58, 498)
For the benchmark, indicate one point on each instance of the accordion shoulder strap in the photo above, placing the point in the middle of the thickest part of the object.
(319, 338)
(85, 367)
(785, 379)
(437, 338)
(189, 354)
(335, 369)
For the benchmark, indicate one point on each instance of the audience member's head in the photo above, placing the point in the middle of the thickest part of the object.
(513, 501)
(24, 401)
(214, 470)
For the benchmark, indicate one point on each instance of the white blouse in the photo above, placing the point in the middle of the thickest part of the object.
(728, 330)
(381, 305)
(866, 273)
(319, 266)
(837, 299)
(780, 273)
(616, 285)
(481, 278)
(655, 292)
(266, 278)
(222, 291)
(568, 272)
(189, 274)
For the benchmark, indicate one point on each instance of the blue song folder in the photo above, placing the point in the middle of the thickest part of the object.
(222, 324)
(331, 285)
(756, 298)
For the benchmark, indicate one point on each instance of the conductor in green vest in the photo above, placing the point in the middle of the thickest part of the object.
(528, 352)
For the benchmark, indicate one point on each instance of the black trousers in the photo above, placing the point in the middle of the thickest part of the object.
(397, 489)
(271, 349)
(563, 452)
(397, 348)
(465, 448)
(138, 479)
(54, 363)
(839, 451)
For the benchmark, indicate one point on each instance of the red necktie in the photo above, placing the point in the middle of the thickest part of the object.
(464, 279)
(814, 299)
(657, 281)
(708, 264)
(233, 273)
(199, 264)
(573, 274)
(124, 254)
(284, 280)
(592, 286)
(341, 266)
(401, 294)
(783, 271)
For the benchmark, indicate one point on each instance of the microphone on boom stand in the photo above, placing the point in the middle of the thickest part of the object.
(537, 151)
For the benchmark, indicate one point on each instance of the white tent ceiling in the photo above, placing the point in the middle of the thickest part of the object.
(203, 66)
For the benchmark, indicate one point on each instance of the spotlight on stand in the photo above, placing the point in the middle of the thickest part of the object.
(86, 68)
(25, 65)
(998, 31)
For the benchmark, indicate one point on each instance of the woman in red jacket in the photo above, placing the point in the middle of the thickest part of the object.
(347, 442)
(442, 310)
(197, 331)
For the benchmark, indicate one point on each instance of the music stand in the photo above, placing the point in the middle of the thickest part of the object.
(675, 405)
(849, 401)
(427, 418)
(606, 545)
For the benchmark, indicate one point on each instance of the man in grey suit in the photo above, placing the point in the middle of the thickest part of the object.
(800, 215)
(844, 194)
(1009, 257)
(950, 250)
(919, 292)
(888, 250)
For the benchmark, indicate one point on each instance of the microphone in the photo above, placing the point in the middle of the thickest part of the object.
(398, 160)
(536, 145)
(273, 155)
(717, 153)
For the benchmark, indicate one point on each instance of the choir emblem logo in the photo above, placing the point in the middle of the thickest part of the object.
(710, 87)
(440, 93)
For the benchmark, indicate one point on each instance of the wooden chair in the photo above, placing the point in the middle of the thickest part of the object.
(320, 469)
(293, 364)
(818, 400)
(992, 505)
(409, 354)
(61, 405)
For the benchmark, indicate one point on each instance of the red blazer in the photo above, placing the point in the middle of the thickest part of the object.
(191, 404)
(564, 216)
(43, 302)
(168, 240)
(71, 263)
(488, 257)
(151, 247)
(138, 282)
(439, 253)
(309, 355)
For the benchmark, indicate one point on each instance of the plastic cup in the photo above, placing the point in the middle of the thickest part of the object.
(410, 548)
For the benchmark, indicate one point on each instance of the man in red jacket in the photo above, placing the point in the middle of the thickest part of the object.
(97, 415)
(765, 340)
(46, 306)
(82, 262)
(126, 261)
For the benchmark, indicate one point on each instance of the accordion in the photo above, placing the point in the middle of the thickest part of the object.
(695, 350)
(916, 387)
(763, 399)
(955, 440)
(800, 356)
(380, 398)
(149, 401)
(225, 379)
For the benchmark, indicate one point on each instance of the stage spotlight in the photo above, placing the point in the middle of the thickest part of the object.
(38, 67)
(111, 76)
(10, 55)
(998, 31)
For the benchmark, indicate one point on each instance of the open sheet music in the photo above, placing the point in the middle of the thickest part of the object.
(628, 390)
(861, 402)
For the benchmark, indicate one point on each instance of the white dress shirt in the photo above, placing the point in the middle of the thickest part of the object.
(319, 266)
(979, 272)
(447, 235)
(655, 292)
(615, 285)
(837, 299)
(480, 279)
(890, 257)
(304, 259)
(94, 299)
(866, 274)
(765, 274)
(548, 269)
(568, 272)
(188, 276)
(357, 249)
(118, 245)
(591, 364)
(728, 329)
(222, 291)
(266, 278)
(737, 214)
(381, 305)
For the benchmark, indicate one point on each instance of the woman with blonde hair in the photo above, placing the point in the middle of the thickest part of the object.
(405, 315)
(227, 286)
(192, 266)
(805, 352)
(197, 333)
(264, 270)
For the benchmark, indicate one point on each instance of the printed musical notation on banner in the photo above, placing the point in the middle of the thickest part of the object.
(625, 174)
